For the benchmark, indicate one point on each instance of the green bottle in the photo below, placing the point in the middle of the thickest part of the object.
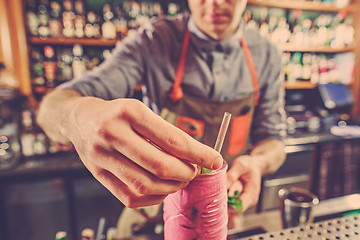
(61, 235)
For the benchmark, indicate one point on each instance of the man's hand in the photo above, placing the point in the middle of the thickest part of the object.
(139, 157)
(244, 176)
(246, 171)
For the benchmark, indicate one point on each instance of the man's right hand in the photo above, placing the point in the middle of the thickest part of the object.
(139, 157)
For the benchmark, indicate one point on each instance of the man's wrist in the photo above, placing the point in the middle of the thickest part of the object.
(260, 162)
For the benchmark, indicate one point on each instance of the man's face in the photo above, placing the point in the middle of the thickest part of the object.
(218, 19)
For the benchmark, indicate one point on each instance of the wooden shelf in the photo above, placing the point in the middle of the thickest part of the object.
(303, 5)
(324, 49)
(72, 41)
(299, 85)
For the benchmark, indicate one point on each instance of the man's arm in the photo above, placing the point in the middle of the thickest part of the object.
(132, 151)
(269, 155)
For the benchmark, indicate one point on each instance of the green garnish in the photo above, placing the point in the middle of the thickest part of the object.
(205, 170)
(235, 202)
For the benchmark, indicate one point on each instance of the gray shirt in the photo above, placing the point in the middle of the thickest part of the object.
(214, 70)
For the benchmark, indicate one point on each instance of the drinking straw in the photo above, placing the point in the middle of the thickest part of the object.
(220, 137)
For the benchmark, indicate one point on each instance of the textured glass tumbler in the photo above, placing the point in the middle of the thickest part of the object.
(198, 211)
(297, 206)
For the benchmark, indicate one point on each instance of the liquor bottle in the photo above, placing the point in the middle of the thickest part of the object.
(108, 27)
(87, 234)
(173, 9)
(80, 19)
(65, 71)
(92, 28)
(55, 22)
(146, 12)
(43, 14)
(79, 7)
(306, 26)
(306, 67)
(61, 235)
(68, 18)
(120, 22)
(158, 10)
(40, 143)
(37, 68)
(296, 67)
(94, 58)
(133, 10)
(49, 65)
(78, 63)
(27, 137)
(315, 75)
(32, 19)
(323, 70)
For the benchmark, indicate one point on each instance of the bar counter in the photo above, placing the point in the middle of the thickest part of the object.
(337, 214)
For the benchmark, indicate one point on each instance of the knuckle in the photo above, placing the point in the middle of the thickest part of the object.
(161, 170)
(94, 149)
(99, 174)
(131, 110)
(142, 186)
(173, 141)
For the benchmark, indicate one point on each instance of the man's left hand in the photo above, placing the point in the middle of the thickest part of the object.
(244, 176)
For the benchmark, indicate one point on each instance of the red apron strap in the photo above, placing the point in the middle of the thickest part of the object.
(252, 70)
(176, 92)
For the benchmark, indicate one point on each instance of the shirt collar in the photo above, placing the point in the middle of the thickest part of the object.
(205, 43)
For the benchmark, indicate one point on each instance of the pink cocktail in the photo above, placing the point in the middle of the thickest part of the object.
(198, 211)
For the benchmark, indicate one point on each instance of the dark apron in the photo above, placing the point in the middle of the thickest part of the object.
(201, 118)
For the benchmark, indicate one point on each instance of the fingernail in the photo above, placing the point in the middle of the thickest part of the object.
(218, 163)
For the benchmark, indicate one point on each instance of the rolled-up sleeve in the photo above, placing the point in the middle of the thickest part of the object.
(116, 76)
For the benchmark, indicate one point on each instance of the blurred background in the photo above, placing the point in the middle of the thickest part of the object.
(45, 188)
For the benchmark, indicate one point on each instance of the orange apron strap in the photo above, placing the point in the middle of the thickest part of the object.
(176, 92)
(252, 70)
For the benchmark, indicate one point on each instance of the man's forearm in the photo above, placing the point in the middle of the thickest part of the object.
(269, 154)
(55, 112)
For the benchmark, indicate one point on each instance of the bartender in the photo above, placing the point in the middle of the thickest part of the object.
(195, 67)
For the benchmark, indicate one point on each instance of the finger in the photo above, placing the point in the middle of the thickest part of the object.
(123, 193)
(250, 195)
(146, 155)
(236, 186)
(173, 140)
(135, 177)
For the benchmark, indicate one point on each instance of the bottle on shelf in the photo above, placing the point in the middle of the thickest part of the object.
(68, 18)
(120, 22)
(55, 22)
(173, 9)
(87, 234)
(132, 8)
(78, 62)
(43, 15)
(36, 67)
(49, 66)
(61, 235)
(64, 63)
(80, 19)
(108, 28)
(92, 27)
(32, 19)
(27, 136)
